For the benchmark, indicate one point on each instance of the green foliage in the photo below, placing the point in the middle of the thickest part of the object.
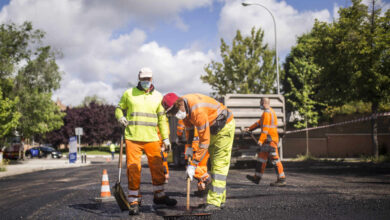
(306, 157)
(40, 114)
(96, 99)
(301, 98)
(350, 58)
(9, 116)
(247, 67)
(380, 159)
(28, 75)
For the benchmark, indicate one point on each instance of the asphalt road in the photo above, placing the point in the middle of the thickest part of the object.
(325, 190)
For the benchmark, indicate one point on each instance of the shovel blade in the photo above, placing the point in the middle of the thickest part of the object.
(120, 197)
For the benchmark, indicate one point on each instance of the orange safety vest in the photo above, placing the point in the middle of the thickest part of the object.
(268, 124)
(202, 114)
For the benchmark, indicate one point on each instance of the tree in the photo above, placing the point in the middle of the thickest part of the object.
(9, 117)
(96, 99)
(14, 48)
(248, 67)
(353, 55)
(97, 120)
(34, 85)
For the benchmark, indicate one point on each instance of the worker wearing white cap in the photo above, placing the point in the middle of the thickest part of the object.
(144, 116)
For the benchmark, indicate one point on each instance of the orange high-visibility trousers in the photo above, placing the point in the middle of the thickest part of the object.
(164, 156)
(133, 158)
(262, 158)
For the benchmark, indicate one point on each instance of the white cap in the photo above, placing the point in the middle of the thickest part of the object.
(145, 72)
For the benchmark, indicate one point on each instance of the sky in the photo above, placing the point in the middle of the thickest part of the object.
(105, 43)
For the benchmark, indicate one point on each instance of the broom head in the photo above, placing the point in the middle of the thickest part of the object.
(120, 197)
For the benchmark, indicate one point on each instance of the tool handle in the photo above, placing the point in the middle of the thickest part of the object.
(188, 188)
(120, 160)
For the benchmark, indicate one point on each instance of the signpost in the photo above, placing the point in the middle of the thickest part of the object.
(79, 132)
(72, 149)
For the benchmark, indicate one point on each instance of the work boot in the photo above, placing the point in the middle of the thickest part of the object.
(280, 182)
(134, 208)
(164, 200)
(255, 179)
(211, 207)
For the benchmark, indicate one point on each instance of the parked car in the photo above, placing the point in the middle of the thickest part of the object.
(43, 151)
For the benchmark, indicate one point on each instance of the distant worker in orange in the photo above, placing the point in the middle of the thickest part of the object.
(268, 142)
(201, 174)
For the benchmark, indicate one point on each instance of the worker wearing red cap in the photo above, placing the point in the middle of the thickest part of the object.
(144, 113)
(216, 126)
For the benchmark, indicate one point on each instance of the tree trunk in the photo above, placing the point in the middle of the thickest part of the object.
(374, 130)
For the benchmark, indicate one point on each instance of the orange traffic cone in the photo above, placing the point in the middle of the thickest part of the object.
(105, 193)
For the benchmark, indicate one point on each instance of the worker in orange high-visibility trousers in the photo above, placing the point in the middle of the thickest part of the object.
(268, 141)
(144, 113)
(216, 126)
(201, 174)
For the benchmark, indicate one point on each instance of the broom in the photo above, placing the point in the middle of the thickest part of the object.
(119, 194)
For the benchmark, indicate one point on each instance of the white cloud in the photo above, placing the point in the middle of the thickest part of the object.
(95, 61)
(290, 23)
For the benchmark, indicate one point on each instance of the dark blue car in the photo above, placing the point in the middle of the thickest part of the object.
(43, 151)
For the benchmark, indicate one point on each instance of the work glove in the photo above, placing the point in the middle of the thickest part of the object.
(189, 152)
(190, 172)
(259, 148)
(167, 145)
(123, 121)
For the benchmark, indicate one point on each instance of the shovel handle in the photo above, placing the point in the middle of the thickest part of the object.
(120, 160)
(188, 193)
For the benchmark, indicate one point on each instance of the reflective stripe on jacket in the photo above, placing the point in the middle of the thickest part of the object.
(202, 113)
(268, 124)
(144, 114)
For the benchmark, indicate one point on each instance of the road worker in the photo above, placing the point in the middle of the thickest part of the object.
(268, 142)
(144, 113)
(216, 126)
(201, 174)
(112, 150)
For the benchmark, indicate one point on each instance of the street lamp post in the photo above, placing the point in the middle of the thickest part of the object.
(276, 45)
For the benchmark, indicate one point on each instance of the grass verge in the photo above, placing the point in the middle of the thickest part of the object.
(381, 159)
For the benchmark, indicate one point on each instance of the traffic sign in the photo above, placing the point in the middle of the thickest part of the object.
(79, 131)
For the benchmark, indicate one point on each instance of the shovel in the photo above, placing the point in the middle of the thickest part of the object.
(119, 194)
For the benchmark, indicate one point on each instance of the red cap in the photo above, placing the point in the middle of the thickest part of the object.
(169, 100)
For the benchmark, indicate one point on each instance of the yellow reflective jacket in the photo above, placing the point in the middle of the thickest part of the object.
(144, 114)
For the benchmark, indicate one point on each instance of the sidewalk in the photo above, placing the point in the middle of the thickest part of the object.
(32, 165)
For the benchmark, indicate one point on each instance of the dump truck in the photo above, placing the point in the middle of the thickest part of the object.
(246, 111)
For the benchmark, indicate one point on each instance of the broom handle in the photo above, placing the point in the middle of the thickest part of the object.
(120, 160)
(188, 188)
(188, 193)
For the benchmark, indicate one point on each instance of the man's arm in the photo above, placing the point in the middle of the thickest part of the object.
(202, 125)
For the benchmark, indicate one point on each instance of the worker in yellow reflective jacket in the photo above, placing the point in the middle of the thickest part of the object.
(144, 113)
